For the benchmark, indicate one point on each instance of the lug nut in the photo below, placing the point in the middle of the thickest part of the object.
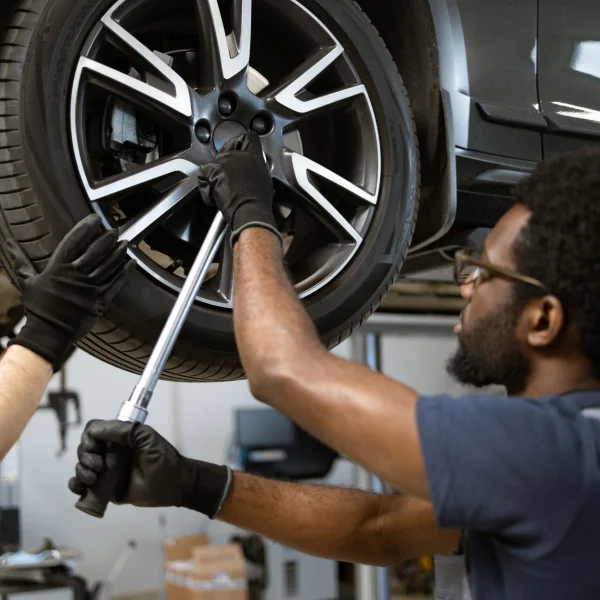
(226, 105)
(261, 124)
(203, 132)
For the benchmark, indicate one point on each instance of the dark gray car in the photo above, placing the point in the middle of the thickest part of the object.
(392, 128)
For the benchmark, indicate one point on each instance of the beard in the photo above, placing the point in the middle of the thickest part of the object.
(490, 354)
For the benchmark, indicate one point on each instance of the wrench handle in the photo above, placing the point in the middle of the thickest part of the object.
(162, 350)
(96, 499)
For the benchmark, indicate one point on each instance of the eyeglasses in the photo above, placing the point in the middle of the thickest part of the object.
(468, 268)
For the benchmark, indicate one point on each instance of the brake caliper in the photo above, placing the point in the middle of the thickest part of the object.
(131, 136)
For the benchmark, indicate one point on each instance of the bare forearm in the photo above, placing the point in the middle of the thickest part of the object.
(333, 523)
(24, 377)
(336, 523)
(363, 415)
(272, 329)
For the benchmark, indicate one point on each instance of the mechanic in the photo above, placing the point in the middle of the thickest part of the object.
(62, 304)
(518, 475)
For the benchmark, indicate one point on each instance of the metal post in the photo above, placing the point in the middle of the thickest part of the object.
(366, 576)
(372, 583)
(373, 361)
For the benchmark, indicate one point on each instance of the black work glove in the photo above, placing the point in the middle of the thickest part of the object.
(145, 470)
(240, 185)
(64, 301)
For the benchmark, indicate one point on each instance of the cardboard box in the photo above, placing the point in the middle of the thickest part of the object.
(213, 573)
(177, 574)
(180, 548)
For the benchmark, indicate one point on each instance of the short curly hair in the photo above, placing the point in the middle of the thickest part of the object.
(560, 246)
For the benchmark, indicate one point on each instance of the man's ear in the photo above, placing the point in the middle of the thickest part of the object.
(546, 319)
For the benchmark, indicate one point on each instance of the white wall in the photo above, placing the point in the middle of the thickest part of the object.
(199, 420)
(417, 356)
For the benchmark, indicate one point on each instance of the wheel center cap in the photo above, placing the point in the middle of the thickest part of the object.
(225, 131)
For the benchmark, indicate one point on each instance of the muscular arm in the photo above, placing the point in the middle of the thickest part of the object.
(336, 523)
(23, 379)
(362, 414)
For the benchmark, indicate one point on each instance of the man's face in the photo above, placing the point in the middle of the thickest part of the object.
(489, 351)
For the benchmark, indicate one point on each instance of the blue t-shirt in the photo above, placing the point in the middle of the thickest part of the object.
(522, 478)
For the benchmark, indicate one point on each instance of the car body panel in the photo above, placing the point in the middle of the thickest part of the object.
(487, 55)
(437, 219)
(569, 73)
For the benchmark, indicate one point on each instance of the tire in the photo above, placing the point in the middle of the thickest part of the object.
(41, 196)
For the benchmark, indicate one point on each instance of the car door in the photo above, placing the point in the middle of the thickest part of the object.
(569, 73)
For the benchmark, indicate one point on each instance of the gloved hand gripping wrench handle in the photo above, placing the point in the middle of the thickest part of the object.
(135, 410)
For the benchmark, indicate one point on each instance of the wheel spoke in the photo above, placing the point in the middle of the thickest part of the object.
(133, 89)
(179, 100)
(139, 227)
(230, 53)
(120, 184)
(287, 94)
(302, 166)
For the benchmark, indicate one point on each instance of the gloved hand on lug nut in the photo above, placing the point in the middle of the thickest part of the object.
(64, 301)
(240, 185)
(145, 470)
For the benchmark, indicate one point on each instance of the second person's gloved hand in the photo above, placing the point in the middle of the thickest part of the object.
(145, 470)
(64, 301)
(240, 185)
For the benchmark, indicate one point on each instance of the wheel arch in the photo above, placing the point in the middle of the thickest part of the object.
(420, 37)
(407, 28)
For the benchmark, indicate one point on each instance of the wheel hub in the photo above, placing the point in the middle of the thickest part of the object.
(225, 131)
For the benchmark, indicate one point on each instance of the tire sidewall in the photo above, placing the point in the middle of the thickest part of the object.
(359, 286)
(143, 304)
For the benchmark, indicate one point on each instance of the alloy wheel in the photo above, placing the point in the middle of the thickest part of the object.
(158, 89)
